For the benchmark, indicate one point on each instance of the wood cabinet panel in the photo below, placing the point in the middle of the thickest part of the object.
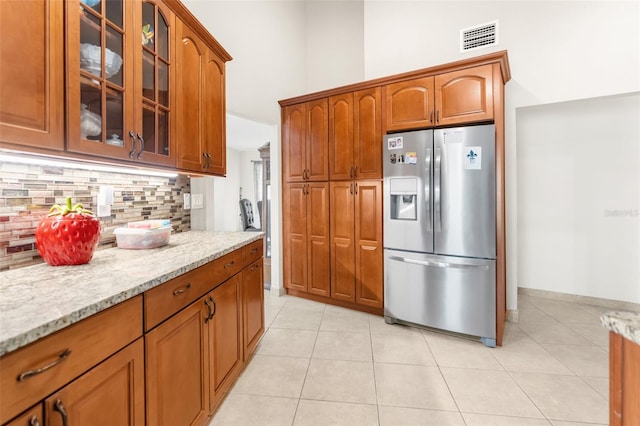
(252, 306)
(115, 386)
(177, 368)
(214, 114)
(190, 59)
(305, 142)
(342, 241)
(624, 381)
(318, 234)
(368, 133)
(295, 236)
(294, 143)
(225, 339)
(318, 140)
(409, 104)
(464, 96)
(31, 77)
(32, 417)
(75, 349)
(252, 252)
(341, 152)
(368, 243)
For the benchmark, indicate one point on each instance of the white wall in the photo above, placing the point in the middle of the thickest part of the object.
(267, 40)
(226, 194)
(558, 51)
(579, 197)
(335, 44)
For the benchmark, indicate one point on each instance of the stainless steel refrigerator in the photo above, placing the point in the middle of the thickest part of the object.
(440, 230)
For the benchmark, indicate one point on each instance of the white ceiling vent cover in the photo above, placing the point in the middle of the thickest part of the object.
(478, 37)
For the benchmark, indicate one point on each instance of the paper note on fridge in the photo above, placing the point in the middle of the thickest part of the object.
(394, 143)
(410, 158)
(473, 158)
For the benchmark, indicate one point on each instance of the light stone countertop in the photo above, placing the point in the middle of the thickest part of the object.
(626, 324)
(38, 300)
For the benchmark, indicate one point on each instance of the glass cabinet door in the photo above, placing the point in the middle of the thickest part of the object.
(99, 77)
(153, 98)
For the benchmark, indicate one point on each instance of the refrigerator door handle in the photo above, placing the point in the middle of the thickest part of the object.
(436, 192)
(439, 264)
(427, 191)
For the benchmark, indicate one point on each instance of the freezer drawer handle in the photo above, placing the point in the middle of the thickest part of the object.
(439, 264)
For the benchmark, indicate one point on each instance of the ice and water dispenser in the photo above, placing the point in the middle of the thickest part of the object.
(404, 194)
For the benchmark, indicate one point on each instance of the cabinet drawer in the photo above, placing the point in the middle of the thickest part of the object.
(55, 360)
(251, 253)
(32, 417)
(167, 299)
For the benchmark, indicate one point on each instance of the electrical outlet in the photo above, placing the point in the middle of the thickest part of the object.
(187, 201)
(197, 201)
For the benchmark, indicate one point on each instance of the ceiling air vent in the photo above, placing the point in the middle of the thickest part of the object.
(478, 37)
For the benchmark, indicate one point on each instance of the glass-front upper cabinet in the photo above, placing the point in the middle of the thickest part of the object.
(119, 70)
(154, 82)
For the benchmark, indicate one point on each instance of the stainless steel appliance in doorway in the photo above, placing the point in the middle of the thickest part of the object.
(440, 229)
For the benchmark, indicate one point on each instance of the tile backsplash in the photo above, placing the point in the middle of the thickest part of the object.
(27, 192)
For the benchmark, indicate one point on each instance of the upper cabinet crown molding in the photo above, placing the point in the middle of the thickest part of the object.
(500, 58)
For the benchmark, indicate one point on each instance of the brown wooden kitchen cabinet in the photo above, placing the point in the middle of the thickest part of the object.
(122, 109)
(177, 368)
(463, 96)
(624, 381)
(305, 146)
(32, 417)
(252, 306)
(201, 105)
(225, 347)
(31, 74)
(111, 394)
(356, 242)
(355, 132)
(32, 373)
(306, 237)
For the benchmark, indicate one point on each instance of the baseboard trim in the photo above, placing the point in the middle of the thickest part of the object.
(587, 300)
(277, 291)
(513, 315)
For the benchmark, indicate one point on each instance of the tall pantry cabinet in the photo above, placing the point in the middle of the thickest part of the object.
(332, 226)
(466, 92)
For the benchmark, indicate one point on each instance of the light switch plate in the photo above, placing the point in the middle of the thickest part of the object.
(197, 201)
(187, 201)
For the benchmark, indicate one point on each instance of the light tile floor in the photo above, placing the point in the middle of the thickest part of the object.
(323, 365)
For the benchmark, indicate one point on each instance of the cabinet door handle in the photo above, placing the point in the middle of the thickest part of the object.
(355, 171)
(254, 267)
(133, 148)
(230, 264)
(60, 409)
(181, 290)
(61, 357)
(437, 116)
(206, 320)
(215, 307)
(351, 188)
(431, 117)
(141, 146)
(356, 187)
(33, 421)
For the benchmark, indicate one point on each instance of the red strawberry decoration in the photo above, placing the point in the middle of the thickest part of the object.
(67, 235)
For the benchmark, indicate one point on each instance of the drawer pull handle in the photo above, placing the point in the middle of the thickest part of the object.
(230, 264)
(206, 320)
(215, 307)
(33, 421)
(60, 409)
(254, 251)
(181, 290)
(63, 355)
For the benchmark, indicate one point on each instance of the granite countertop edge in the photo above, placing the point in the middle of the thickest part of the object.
(22, 323)
(625, 323)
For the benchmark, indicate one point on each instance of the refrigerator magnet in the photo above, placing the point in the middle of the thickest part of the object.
(473, 158)
(410, 158)
(394, 143)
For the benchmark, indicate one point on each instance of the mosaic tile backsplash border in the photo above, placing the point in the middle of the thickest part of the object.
(28, 191)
